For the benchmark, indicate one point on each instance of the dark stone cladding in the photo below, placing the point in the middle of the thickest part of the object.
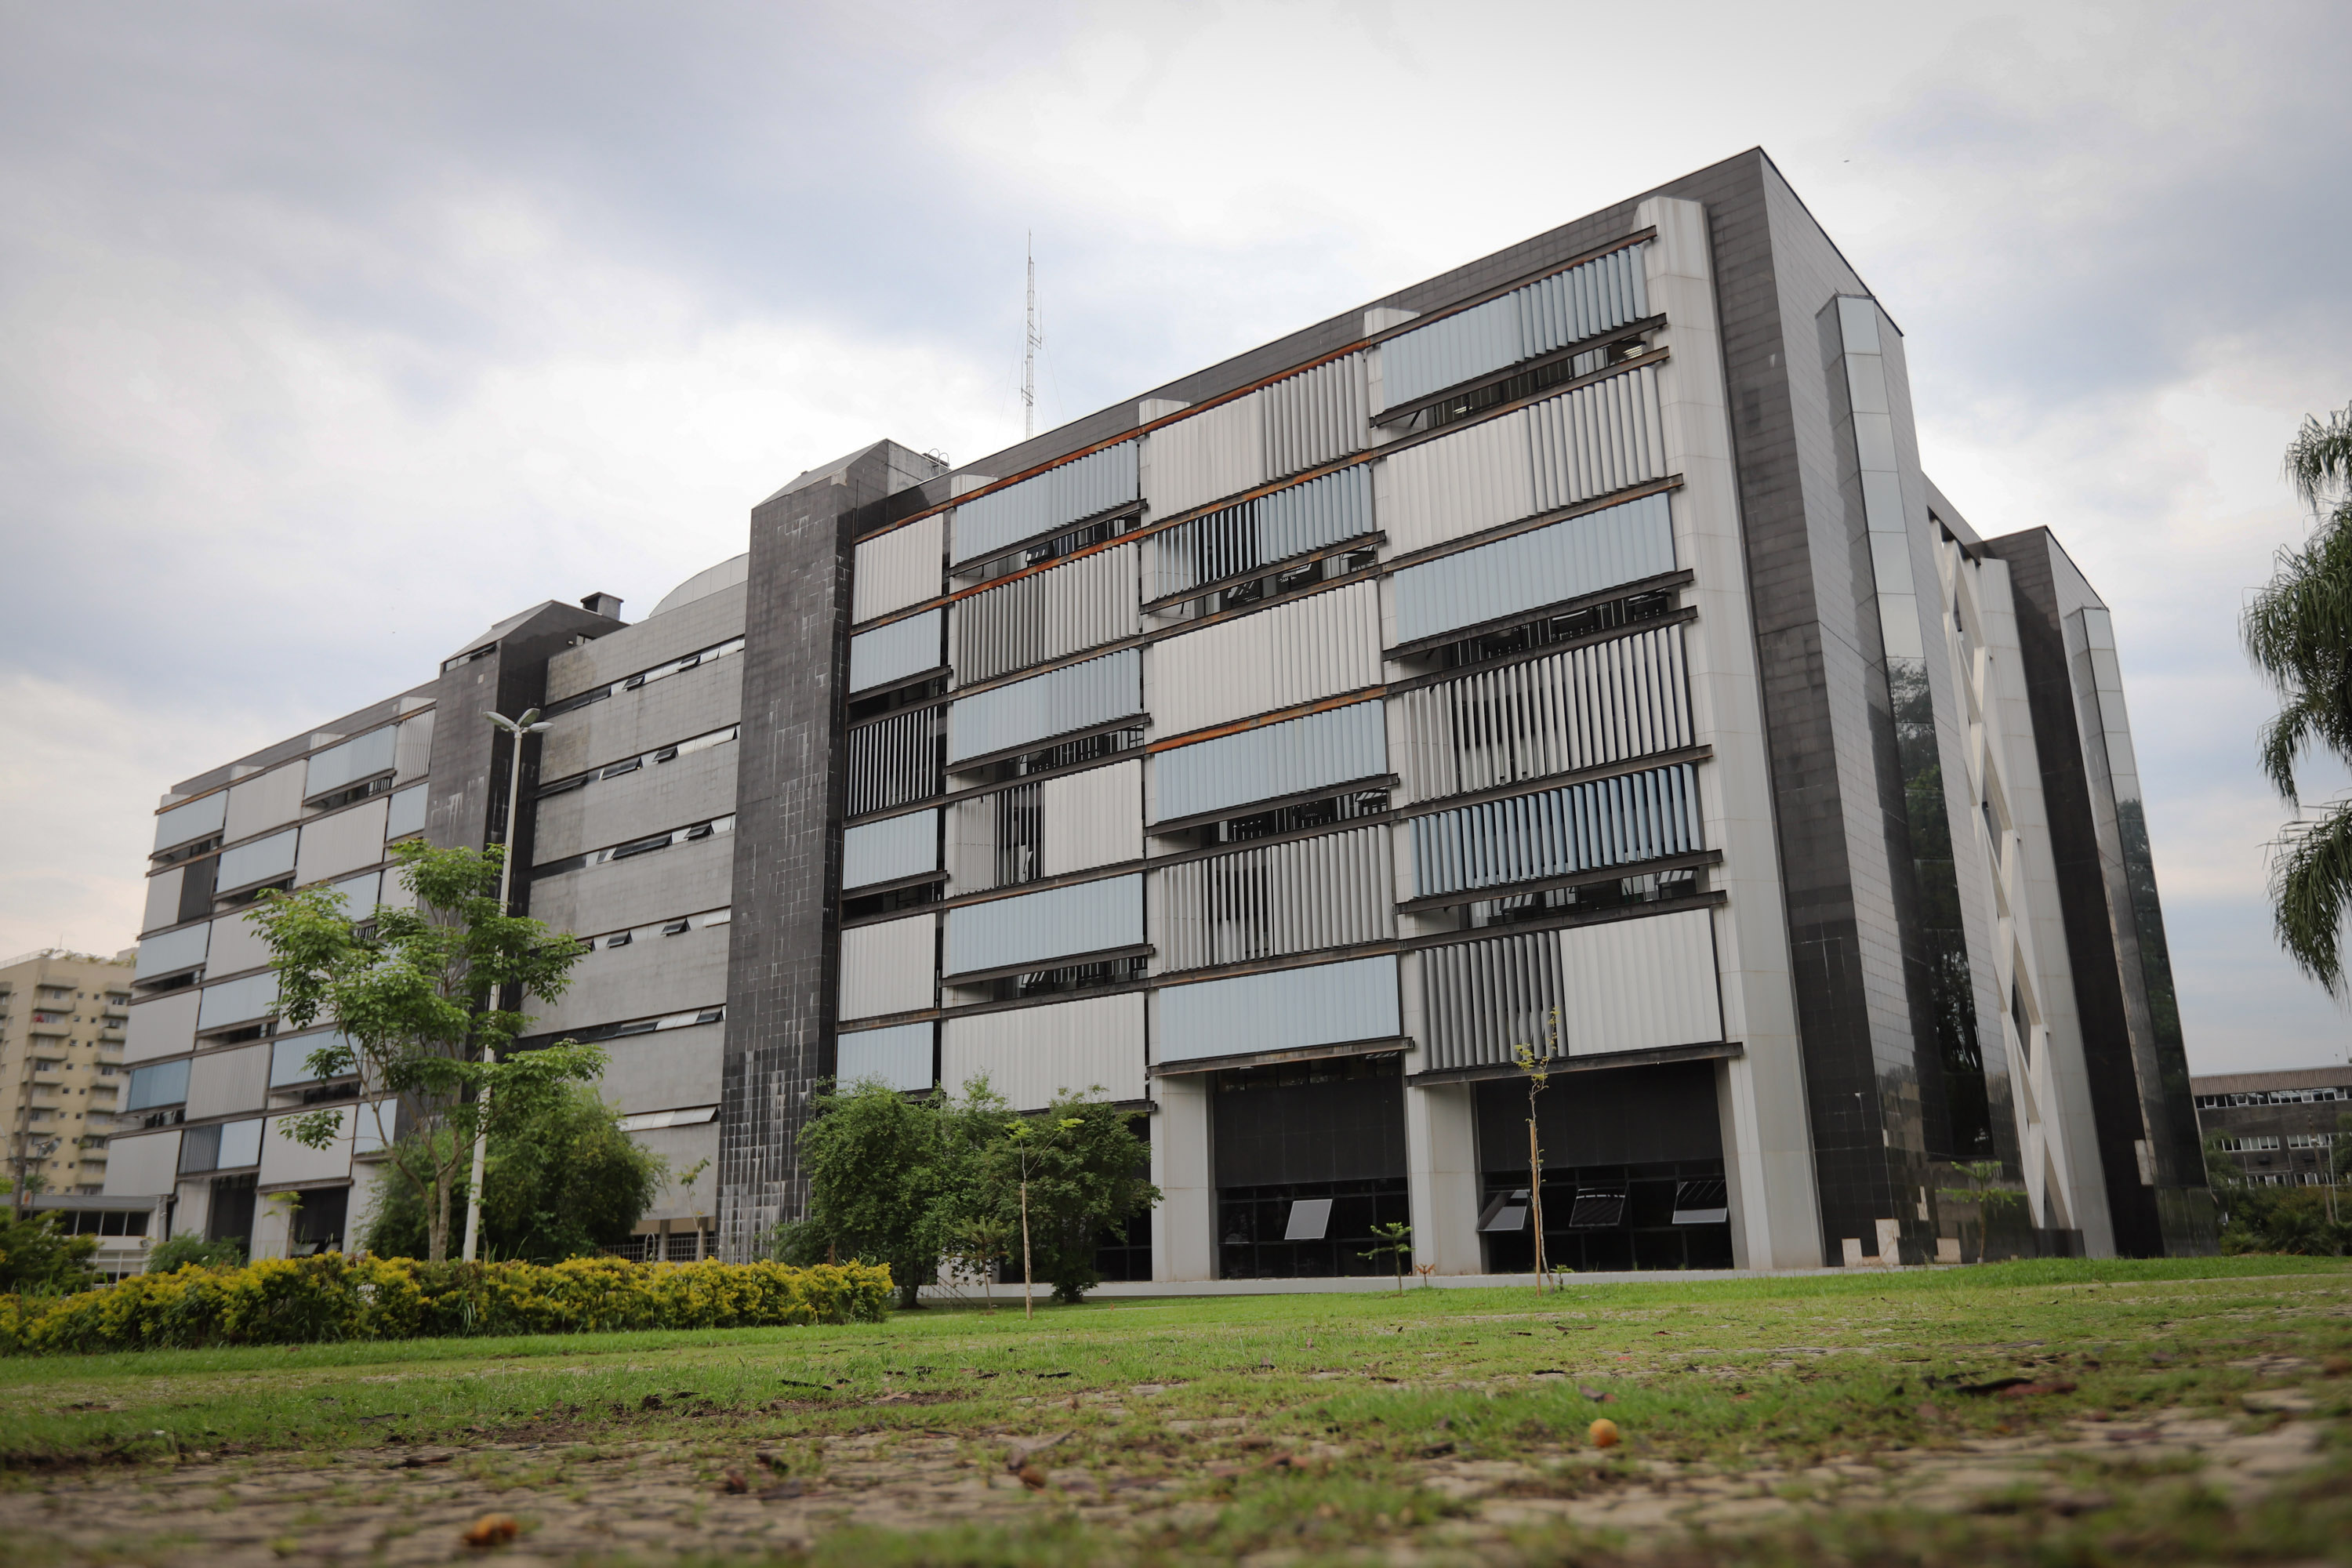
(2115, 1092)
(783, 963)
(467, 799)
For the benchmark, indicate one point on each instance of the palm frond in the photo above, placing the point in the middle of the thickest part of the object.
(2311, 888)
(2319, 459)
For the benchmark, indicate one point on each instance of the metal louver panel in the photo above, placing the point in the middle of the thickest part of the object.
(886, 850)
(1619, 821)
(172, 951)
(1094, 483)
(258, 861)
(1640, 984)
(897, 569)
(1218, 452)
(1262, 531)
(889, 968)
(996, 840)
(1569, 307)
(1033, 1056)
(1320, 645)
(362, 758)
(1457, 485)
(898, 1058)
(1600, 438)
(1338, 746)
(1567, 560)
(1310, 893)
(1467, 344)
(1039, 928)
(896, 760)
(1066, 609)
(1092, 819)
(1481, 998)
(1289, 1010)
(1077, 697)
(1583, 301)
(896, 651)
(1315, 416)
(1583, 708)
(198, 818)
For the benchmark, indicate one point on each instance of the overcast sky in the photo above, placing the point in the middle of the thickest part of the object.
(333, 334)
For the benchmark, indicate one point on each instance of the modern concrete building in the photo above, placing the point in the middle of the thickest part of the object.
(1567, 649)
(2279, 1128)
(62, 1017)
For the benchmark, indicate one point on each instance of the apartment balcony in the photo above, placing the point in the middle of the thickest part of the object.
(49, 1074)
(44, 1025)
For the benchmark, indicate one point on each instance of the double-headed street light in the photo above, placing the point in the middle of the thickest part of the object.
(529, 724)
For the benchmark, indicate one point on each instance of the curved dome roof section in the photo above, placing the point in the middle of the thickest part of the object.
(704, 583)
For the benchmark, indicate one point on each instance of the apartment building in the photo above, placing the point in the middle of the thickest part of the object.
(2280, 1129)
(1568, 651)
(62, 1017)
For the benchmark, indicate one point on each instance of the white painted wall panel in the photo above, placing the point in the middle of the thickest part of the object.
(349, 839)
(897, 569)
(1638, 984)
(1093, 818)
(889, 968)
(1456, 485)
(1032, 1055)
(1205, 456)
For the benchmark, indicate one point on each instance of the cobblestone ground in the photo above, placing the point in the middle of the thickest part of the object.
(718, 1495)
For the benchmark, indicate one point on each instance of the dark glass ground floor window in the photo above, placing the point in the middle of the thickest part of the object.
(1611, 1218)
(319, 1221)
(229, 1216)
(1307, 1230)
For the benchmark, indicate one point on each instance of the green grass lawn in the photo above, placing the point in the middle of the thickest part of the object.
(1782, 1376)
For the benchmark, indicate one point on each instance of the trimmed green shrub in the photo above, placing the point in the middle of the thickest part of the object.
(332, 1297)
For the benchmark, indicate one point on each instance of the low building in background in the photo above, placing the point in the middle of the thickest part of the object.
(1568, 648)
(123, 1227)
(62, 1021)
(2279, 1128)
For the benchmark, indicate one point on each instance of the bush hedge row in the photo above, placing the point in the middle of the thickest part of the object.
(304, 1300)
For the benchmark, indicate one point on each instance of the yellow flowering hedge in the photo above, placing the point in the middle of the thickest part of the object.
(331, 1297)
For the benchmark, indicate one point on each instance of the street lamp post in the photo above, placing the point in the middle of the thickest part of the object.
(519, 728)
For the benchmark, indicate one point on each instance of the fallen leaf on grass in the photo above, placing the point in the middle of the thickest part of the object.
(1032, 1477)
(491, 1530)
(1601, 1396)
(735, 1483)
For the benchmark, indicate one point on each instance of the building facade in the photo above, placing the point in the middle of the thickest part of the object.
(62, 1018)
(2280, 1129)
(1568, 651)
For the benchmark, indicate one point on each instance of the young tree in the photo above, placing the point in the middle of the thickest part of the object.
(1536, 1065)
(562, 1180)
(1395, 1243)
(2298, 631)
(873, 1158)
(1069, 1174)
(416, 995)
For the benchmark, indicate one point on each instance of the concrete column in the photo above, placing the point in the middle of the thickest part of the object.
(1183, 1227)
(1441, 1145)
(1767, 1140)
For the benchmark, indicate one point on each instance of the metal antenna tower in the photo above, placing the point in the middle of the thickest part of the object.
(1034, 339)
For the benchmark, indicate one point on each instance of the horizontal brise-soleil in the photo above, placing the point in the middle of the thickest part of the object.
(1620, 821)
(1328, 892)
(1585, 708)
